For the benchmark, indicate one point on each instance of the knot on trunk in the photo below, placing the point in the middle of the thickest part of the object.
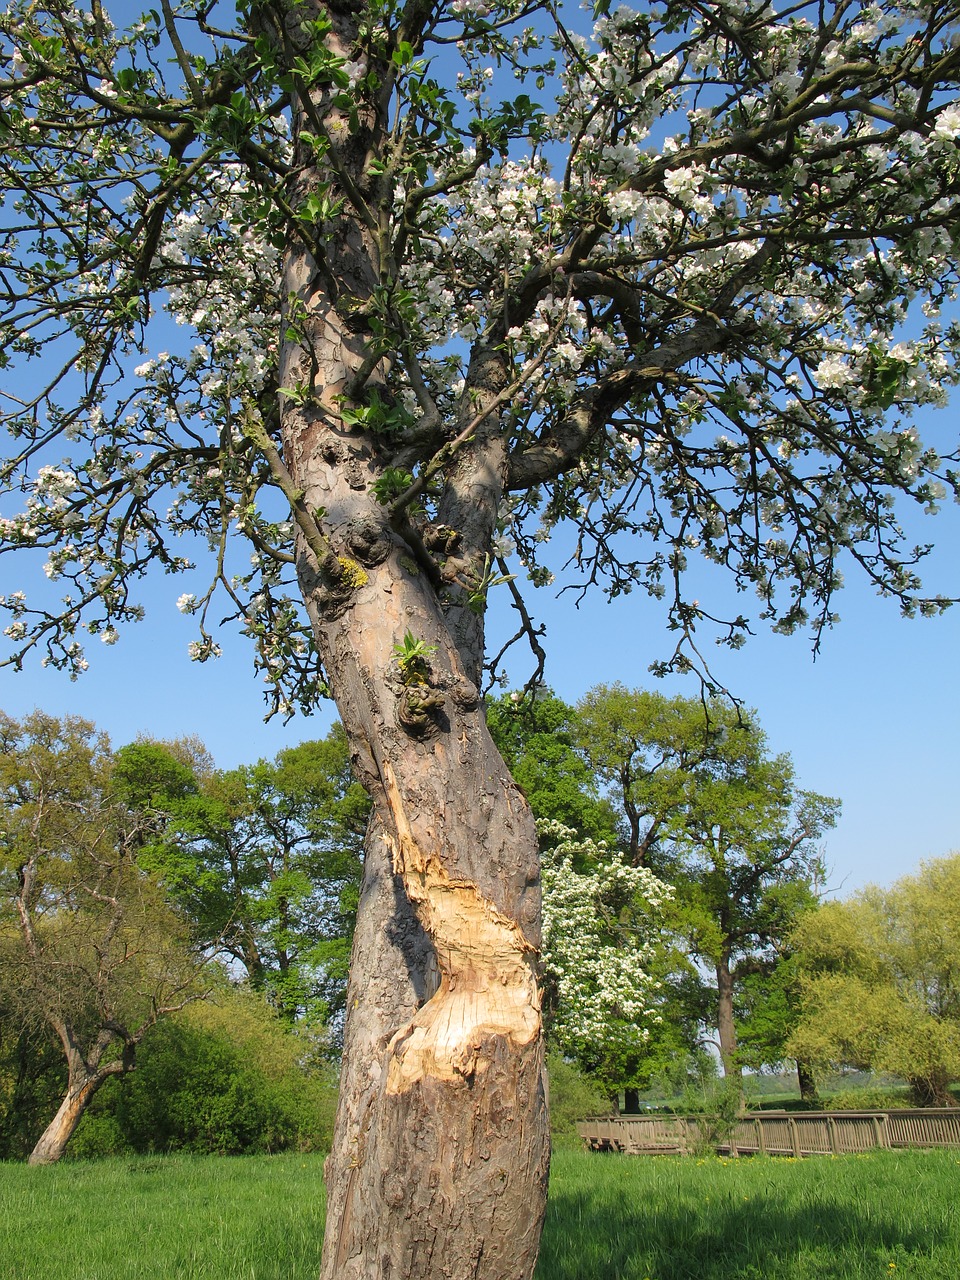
(418, 711)
(465, 695)
(368, 542)
(441, 539)
(341, 578)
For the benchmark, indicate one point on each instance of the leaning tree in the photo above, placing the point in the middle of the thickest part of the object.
(452, 274)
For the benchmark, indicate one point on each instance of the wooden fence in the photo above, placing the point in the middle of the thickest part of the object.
(782, 1133)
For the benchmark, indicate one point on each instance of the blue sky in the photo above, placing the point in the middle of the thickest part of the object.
(875, 720)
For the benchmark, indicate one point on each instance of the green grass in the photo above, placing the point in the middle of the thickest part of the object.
(163, 1218)
(885, 1214)
(890, 1214)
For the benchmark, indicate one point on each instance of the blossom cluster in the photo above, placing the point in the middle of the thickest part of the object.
(599, 934)
(716, 257)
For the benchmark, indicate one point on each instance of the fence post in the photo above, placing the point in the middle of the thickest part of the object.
(758, 1129)
(795, 1137)
(880, 1130)
(832, 1131)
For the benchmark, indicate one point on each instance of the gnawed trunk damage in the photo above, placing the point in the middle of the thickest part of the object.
(487, 988)
(440, 1154)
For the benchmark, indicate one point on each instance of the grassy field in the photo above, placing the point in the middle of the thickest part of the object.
(886, 1214)
(890, 1214)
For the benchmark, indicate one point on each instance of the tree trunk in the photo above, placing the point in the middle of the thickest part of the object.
(631, 1101)
(439, 1167)
(53, 1141)
(442, 1173)
(440, 1159)
(807, 1082)
(442, 1141)
(726, 1027)
(932, 1090)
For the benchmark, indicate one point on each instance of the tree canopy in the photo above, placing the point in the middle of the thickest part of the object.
(695, 264)
(881, 982)
(538, 738)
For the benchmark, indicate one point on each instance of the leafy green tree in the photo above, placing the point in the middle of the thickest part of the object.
(226, 1076)
(650, 276)
(723, 822)
(768, 997)
(284, 852)
(93, 953)
(881, 981)
(538, 740)
(265, 861)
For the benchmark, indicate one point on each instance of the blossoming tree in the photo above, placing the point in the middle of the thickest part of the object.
(455, 271)
(601, 921)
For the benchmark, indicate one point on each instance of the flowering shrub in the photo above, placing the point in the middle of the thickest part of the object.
(599, 932)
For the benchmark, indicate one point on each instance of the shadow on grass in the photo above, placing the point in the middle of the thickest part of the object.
(672, 1237)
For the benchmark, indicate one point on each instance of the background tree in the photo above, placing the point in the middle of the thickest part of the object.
(93, 952)
(712, 813)
(881, 981)
(678, 297)
(265, 860)
(645, 749)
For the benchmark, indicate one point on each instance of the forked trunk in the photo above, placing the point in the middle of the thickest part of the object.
(53, 1141)
(440, 1163)
(440, 1156)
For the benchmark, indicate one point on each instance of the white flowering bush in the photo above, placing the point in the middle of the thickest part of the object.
(600, 931)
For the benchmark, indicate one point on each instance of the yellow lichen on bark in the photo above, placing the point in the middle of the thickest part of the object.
(488, 988)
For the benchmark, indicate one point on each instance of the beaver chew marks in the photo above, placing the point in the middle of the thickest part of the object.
(487, 988)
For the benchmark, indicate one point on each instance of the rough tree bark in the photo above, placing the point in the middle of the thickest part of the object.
(84, 1078)
(441, 1148)
(726, 1027)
